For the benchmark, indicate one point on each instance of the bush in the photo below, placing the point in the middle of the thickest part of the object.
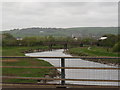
(116, 47)
(110, 41)
(8, 40)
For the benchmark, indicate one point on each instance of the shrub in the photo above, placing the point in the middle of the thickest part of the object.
(116, 47)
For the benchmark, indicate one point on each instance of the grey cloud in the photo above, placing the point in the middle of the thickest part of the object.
(59, 14)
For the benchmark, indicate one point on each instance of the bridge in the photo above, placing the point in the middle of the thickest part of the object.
(62, 78)
(64, 43)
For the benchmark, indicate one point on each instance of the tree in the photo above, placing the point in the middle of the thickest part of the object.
(116, 47)
(50, 38)
(110, 41)
(8, 36)
(88, 41)
(29, 41)
(8, 40)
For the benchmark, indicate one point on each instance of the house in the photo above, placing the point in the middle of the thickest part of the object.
(76, 36)
(19, 38)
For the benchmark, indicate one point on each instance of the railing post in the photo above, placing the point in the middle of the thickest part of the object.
(62, 71)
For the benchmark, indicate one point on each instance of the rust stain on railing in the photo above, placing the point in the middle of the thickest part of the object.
(98, 68)
(37, 78)
(62, 68)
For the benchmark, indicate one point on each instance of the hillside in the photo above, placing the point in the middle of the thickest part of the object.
(78, 31)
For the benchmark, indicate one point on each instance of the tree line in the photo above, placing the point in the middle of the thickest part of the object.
(112, 41)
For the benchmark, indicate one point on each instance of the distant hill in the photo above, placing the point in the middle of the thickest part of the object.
(78, 31)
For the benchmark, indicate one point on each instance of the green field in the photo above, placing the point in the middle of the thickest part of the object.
(95, 51)
(23, 72)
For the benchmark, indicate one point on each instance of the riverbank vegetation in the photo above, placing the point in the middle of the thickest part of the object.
(96, 51)
(24, 72)
(109, 47)
(93, 51)
(12, 46)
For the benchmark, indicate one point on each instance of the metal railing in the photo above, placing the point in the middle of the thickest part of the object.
(63, 79)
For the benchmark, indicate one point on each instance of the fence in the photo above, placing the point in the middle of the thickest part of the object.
(63, 79)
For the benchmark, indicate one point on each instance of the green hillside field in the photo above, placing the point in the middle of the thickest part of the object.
(78, 31)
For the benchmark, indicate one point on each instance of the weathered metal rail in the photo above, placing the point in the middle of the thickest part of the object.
(37, 78)
(32, 85)
(96, 68)
(80, 57)
(62, 79)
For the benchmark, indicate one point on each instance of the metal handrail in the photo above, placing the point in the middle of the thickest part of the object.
(80, 57)
(97, 68)
(54, 85)
(37, 78)
(63, 79)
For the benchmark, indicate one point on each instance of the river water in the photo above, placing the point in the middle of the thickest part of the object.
(80, 73)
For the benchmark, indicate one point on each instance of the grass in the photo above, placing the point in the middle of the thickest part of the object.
(22, 72)
(16, 51)
(95, 51)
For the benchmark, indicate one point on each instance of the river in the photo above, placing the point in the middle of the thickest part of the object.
(80, 73)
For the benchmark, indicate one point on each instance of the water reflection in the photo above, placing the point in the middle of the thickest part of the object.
(80, 73)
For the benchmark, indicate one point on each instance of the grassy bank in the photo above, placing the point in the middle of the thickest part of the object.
(21, 72)
(95, 51)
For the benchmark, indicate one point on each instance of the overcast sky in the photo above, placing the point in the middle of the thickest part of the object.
(59, 14)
